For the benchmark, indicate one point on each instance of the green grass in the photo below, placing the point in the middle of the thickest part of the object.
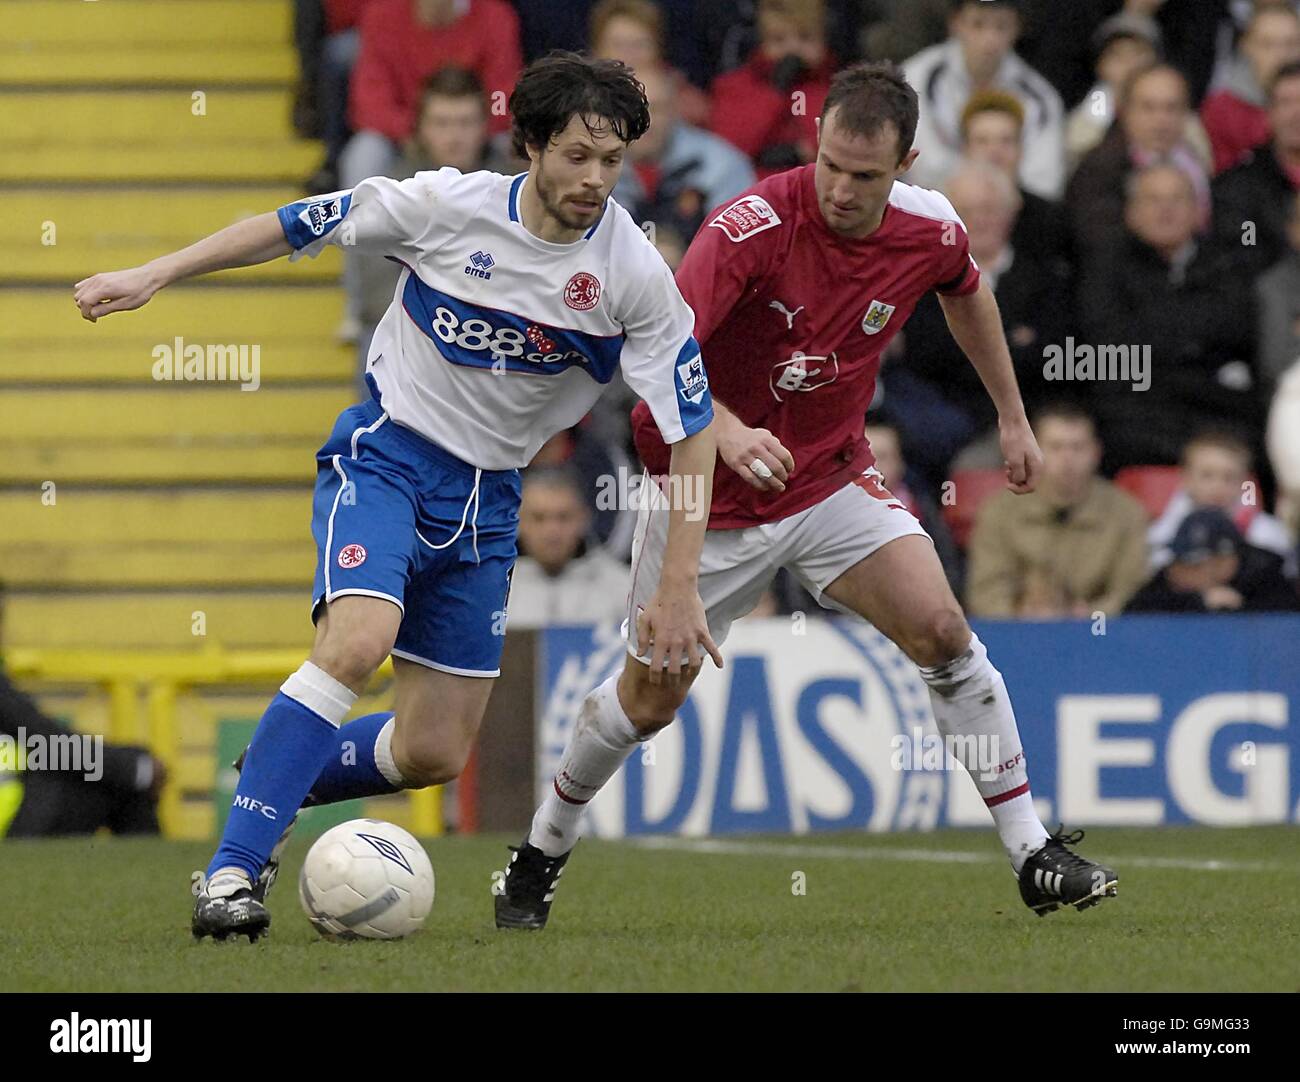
(112, 915)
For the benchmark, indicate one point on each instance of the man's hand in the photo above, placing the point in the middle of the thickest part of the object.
(115, 291)
(674, 628)
(740, 447)
(1024, 461)
(1222, 598)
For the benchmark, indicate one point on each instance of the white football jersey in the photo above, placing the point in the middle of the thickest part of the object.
(496, 339)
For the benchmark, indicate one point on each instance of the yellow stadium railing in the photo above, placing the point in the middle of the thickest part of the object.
(142, 691)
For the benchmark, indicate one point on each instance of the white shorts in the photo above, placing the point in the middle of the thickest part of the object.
(817, 545)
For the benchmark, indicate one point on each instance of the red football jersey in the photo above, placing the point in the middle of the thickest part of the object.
(792, 320)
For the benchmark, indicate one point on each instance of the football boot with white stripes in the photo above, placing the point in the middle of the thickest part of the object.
(529, 888)
(1055, 876)
(227, 906)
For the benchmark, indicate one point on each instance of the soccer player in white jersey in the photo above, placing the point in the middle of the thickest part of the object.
(798, 287)
(519, 299)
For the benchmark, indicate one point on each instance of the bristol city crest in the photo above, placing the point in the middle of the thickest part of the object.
(877, 316)
(582, 291)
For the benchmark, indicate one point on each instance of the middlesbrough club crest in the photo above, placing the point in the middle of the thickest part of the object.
(351, 556)
(582, 291)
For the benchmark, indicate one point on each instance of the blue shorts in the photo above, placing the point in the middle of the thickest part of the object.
(400, 518)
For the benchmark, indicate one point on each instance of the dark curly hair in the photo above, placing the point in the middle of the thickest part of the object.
(562, 85)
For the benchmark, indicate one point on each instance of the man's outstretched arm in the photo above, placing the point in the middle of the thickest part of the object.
(674, 623)
(976, 325)
(244, 244)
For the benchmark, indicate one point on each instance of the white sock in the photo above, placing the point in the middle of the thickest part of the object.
(384, 761)
(603, 737)
(969, 699)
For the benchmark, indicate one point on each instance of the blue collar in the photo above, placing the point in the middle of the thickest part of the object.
(517, 186)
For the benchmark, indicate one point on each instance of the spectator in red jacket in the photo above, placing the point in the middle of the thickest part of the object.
(403, 43)
(769, 106)
(1236, 114)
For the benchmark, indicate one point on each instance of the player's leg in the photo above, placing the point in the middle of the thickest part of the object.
(735, 569)
(363, 522)
(294, 740)
(900, 587)
(424, 740)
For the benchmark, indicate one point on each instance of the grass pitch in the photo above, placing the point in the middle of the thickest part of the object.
(1198, 910)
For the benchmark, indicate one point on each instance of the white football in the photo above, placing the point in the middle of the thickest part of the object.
(366, 879)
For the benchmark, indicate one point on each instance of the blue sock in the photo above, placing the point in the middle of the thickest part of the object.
(352, 770)
(293, 742)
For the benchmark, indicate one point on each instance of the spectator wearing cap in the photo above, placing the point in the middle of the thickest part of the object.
(1175, 304)
(992, 130)
(1236, 113)
(1074, 546)
(1123, 45)
(1153, 127)
(979, 55)
(676, 171)
(1215, 570)
(769, 106)
(1253, 200)
(1216, 473)
(1277, 304)
(558, 579)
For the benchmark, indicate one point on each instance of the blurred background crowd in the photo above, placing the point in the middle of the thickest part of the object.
(1129, 175)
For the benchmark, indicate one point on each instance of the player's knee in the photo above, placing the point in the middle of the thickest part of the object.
(938, 639)
(651, 707)
(432, 763)
(352, 658)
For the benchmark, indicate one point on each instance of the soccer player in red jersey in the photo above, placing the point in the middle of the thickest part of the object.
(798, 287)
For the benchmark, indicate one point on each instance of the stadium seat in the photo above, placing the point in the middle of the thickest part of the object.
(970, 489)
(1151, 486)
(155, 500)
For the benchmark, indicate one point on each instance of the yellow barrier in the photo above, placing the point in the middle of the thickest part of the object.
(142, 690)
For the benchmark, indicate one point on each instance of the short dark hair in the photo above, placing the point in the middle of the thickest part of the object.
(955, 6)
(1220, 439)
(869, 96)
(1064, 410)
(1289, 70)
(452, 82)
(562, 85)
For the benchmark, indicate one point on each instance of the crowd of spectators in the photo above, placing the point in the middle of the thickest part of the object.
(1128, 172)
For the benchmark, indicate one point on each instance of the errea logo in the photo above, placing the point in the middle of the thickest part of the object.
(480, 265)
